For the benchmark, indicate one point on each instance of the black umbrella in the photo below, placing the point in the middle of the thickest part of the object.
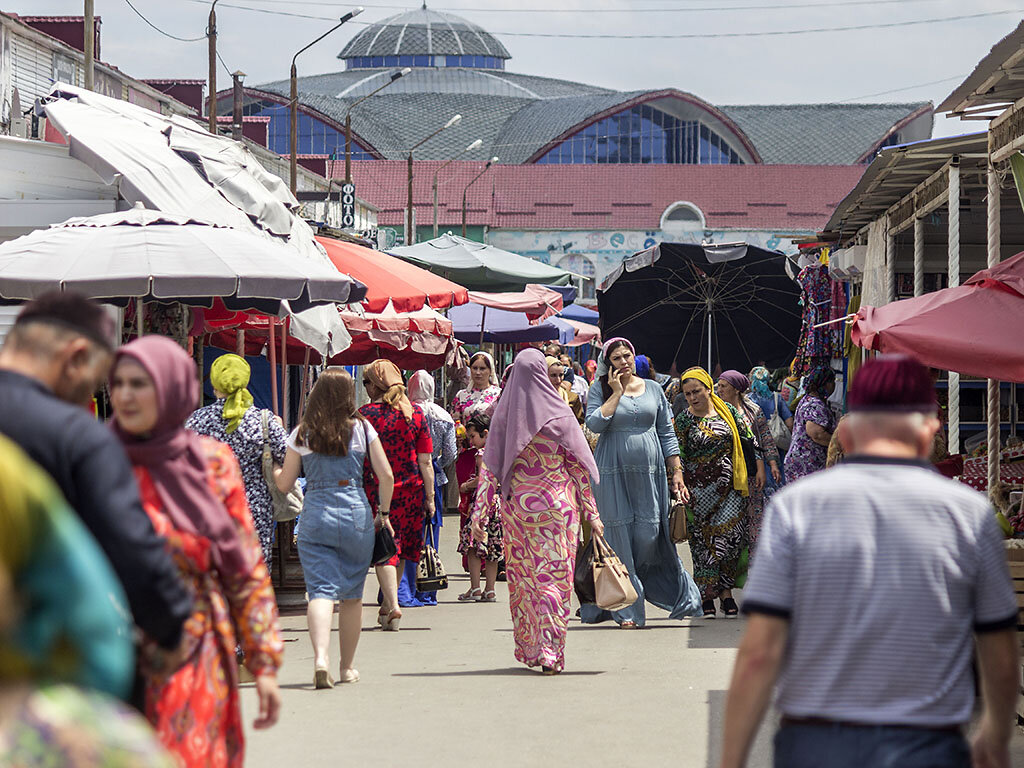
(733, 305)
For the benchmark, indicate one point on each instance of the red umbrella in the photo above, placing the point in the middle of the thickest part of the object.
(972, 329)
(389, 279)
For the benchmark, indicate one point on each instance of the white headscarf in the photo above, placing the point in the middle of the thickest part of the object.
(421, 392)
(490, 362)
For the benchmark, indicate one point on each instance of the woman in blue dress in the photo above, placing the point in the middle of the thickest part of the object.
(636, 450)
(336, 534)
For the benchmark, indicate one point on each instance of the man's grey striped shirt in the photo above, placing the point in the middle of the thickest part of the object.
(885, 569)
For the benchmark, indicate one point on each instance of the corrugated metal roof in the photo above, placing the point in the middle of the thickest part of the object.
(517, 115)
(838, 134)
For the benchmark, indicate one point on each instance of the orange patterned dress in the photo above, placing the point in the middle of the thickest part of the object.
(195, 709)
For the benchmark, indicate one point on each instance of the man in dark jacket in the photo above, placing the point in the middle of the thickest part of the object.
(52, 361)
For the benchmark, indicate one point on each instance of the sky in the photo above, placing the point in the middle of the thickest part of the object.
(905, 63)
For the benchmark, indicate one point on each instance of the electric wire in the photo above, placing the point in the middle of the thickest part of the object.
(590, 11)
(162, 32)
(675, 36)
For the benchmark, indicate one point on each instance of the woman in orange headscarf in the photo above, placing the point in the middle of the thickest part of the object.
(404, 433)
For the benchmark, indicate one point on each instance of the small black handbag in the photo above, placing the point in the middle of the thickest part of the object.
(583, 574)
(384, 547)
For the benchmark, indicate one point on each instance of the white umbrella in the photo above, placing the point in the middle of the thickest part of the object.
(157, 256)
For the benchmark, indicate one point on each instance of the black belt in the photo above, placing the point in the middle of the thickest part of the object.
(825, 722)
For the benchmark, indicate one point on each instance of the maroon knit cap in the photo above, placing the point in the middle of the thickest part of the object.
(893, 383)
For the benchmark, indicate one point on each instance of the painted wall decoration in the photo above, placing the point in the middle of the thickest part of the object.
(595, 253)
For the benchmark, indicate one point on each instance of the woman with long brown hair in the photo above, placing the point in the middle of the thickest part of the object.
(336, 529)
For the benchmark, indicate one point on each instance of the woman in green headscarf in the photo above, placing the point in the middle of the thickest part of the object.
(232, 419)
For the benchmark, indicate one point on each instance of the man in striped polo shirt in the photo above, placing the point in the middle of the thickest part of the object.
(874, 583)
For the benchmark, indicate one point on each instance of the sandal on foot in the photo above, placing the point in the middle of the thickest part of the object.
(489, 597)
(349, 676)
(393, 621)
(322, 679)
(471, 596)
(729, 608)
(549, 670)
(628, 625)
(709, 609)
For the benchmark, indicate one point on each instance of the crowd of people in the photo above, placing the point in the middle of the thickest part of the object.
(144, 545)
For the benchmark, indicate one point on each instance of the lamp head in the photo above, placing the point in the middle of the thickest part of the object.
(475, 145)
(351, 14)
(400, 73)
(456, 119)
(492, 161)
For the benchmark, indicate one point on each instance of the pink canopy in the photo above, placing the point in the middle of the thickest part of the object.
(585, 333)
(973, 329)
(539, 303)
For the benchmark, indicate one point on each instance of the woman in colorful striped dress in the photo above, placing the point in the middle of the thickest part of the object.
(537, 471)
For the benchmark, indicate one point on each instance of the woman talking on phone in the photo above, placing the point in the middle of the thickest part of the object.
(638, 457)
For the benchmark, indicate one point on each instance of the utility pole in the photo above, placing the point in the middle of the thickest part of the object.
(236, 92)
(90, 44)
(211, 37)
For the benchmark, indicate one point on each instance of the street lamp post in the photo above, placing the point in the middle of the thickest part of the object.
(294, 96)
(475, 145)
(487, 167)
(409, 235)
(348, 118)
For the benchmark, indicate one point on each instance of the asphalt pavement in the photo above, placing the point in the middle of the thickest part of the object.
(446, 690)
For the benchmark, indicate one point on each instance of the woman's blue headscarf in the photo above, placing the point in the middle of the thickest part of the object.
(643, 366)
(759, 382)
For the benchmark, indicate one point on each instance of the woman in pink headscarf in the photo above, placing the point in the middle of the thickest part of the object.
(192, 490)
(537, 474)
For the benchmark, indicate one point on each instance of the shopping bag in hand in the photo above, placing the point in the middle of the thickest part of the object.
(583, 574)
(612, 586)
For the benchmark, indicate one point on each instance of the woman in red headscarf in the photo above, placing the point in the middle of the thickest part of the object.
(192, 490)
(405, 435)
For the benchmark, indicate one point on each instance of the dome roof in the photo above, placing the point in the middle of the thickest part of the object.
(423, 32)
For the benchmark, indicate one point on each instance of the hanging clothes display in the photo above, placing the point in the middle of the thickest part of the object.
(817, 345)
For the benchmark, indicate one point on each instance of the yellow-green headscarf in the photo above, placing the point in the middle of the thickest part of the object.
(229, 375)
(739, 464)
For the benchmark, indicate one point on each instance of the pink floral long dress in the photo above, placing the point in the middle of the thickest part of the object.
(540, 517)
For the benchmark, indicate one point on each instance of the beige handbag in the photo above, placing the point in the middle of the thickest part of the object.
(612, 585)
(677, 525)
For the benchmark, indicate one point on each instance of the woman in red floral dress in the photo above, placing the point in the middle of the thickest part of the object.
(403, 431)
(192, 490)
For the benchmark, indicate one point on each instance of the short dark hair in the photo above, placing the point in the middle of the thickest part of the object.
(72, 312)
(479, 423)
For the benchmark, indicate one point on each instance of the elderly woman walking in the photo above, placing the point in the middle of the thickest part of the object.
(638, 456)
(537, 470)
(403, 431)
(233, 420)
(813, 425)
(709, 432)
(192, 490)
(732, 388)
(446, 449)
